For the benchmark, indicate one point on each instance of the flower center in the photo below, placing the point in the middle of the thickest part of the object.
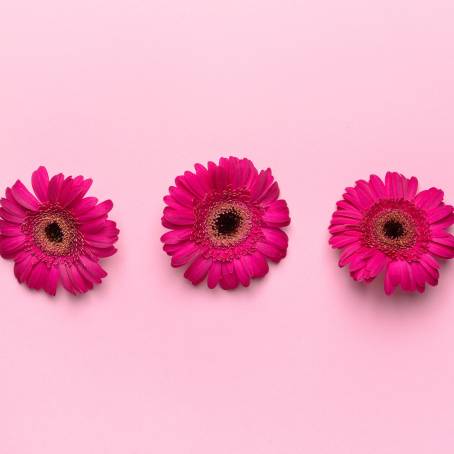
(393, 229)
(54, 232)
(228, 222)
(227, 225)
(397, 228)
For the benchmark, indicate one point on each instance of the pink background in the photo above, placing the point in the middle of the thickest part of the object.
(134, 92)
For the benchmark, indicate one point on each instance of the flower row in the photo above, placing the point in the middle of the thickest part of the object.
(225, 224)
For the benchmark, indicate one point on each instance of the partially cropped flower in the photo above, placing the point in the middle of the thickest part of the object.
(57, 235)
(225, 222)
(389, 227)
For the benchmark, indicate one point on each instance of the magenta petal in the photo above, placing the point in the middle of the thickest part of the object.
(11, 246)
(23, 267)
(93, 268)
(184, 254)
(214, 274)
(100, 210)
(52, 279)
(55, 185)
(24, 197)
(198, 270)
(37, 277)
(40, 183)
(439, 213)
(259, 264)
(392, 277)
(12, 206)
(70, 190)
(411, 189)
(277, 214)
(440, 250)
(8, 229)
(377, 186)
(276, 237)
(229, 280)
(83, 206)
(66, 280)
(176, 236)
(419, 276)
(243, 275)
(429, 199)
(375, 265)
(272, 252)
(179, 217)
(82, 285)
(103, 252)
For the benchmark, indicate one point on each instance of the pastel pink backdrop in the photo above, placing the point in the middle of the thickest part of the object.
(134, 92)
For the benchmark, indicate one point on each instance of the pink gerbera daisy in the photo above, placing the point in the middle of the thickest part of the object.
(57, 236)
(389, 227)
(225, 221)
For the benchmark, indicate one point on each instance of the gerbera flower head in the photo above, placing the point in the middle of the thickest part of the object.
(225, 222)
(57, 235)
(390, 227)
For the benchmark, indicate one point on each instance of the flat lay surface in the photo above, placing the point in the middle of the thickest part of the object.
(134, 93)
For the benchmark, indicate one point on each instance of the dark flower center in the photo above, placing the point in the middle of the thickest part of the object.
(54, 232)
(393, 229)
(228, 222)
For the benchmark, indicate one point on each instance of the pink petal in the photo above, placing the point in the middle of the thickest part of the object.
(214, 274)
(182, 196)
(261, 185)
(8, 229)
(272, 252)
(82, 190)
(7, 216)
(83, 206)
(13, 208)
(340, 241)
(176, 236)
(52, 278)
(411, 188)
(66, 279)
(55, 185)
(377, 186)
(392, 277)
(92, 268)
(23, 267)
(37, 277)
(277, 214)
(429, 199)
(243, 274)
(276, 237)
(11, 246)
(365, 196)
(184, 254)
(179, 217)
(259, 264)
(103, 252)
(348, 253)
(23, 196)
(229, 280)
(198, 270)
(419, 276)
(394, 185)
(98, 211)
(40, 183)
(440, 250)
(439, 213)
(79, 283)
(375, 265)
